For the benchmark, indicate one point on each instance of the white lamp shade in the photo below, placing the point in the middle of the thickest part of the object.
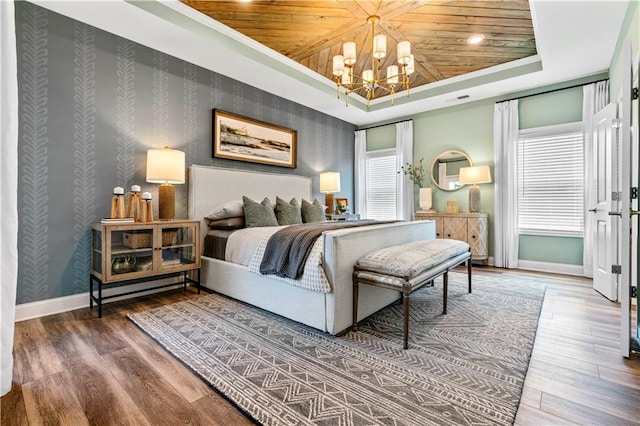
(338, 65)
(346, 79)
(165, 166)
(392, 74)
(411, 66)
(404, 52)
(367, 77)
(329, 182)
(349, 52)
(473, 175)
(380, 46)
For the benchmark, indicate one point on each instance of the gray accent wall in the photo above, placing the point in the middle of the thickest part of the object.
(91, 104)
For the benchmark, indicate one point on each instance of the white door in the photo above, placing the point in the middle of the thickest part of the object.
(605, 242)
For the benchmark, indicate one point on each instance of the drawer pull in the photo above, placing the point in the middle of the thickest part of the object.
(448, 235)
(473, 236)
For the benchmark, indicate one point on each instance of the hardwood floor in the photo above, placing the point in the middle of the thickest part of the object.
(75, 369)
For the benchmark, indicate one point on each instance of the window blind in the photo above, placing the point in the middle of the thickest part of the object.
(380, 169)
(551, 181)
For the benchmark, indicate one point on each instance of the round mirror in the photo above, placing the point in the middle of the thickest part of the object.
(445, 169)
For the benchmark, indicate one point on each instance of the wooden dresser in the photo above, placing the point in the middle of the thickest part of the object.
(472, 228)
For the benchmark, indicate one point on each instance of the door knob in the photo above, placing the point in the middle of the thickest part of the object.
(615, 214)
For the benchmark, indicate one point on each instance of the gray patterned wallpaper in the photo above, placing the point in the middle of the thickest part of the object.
(91, 104)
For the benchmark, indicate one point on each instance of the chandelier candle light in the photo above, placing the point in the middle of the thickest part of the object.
(371, 81)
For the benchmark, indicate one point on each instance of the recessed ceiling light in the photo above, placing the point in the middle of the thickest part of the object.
(245, 1)
(475, 39)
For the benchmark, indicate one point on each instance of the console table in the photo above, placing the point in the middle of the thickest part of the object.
(472, 228)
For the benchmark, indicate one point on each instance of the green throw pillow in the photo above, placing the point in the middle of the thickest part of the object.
(288, 213)
(258, 214)
(312, 212)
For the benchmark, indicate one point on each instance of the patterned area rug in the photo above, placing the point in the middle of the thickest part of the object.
(466, 367)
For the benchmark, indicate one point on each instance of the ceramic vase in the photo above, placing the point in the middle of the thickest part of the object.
(425, 198)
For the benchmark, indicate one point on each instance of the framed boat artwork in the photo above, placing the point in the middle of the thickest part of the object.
(244, 139)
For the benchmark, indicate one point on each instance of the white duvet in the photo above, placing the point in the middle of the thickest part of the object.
(247, 246)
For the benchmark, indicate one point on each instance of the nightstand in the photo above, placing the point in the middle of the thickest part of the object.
(130, 253)
(343, 216)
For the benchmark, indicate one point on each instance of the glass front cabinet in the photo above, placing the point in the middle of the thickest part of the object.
(122, 252)
(131, 253)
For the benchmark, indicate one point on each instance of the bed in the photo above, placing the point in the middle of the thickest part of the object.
(330, 312)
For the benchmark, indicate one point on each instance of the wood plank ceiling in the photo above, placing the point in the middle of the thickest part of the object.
(312, 32)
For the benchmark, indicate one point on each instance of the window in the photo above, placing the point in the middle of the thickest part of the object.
(380, 169)
(551, 180)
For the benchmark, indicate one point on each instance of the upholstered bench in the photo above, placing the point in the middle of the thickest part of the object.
(408, 267)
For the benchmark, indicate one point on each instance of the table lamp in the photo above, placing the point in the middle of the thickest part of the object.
(474, 175)
(166, 167)
(329, 183)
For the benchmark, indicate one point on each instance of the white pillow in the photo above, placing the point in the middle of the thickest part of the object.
(229, 209)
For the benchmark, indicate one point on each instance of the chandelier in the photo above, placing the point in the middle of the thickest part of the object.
(372, 83)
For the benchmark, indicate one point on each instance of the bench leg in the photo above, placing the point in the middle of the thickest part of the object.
(405, 296)
(469, 273)
(445, 291)
(355, 304)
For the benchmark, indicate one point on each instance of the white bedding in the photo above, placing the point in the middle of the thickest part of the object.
(243, 243)
(247, 246)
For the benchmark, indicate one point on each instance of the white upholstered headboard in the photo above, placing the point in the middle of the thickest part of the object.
(212, 186)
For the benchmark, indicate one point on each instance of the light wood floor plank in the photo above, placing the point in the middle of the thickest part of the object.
(529, 416)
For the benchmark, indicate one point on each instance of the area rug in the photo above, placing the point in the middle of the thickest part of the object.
(466, 367)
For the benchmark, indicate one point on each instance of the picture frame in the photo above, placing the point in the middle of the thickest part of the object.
(342, 205)
(240, 138)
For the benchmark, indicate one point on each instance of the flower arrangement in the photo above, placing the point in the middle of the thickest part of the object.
(416, 173)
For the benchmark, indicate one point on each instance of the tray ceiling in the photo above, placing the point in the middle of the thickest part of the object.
(312, 32)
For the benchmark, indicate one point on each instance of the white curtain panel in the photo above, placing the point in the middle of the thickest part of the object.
(595, 97)
(505, 139)
(8, 189)
(360, 173)
(404, 154)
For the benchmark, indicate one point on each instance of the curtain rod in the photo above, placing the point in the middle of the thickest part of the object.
(553, 90)
(386, 124)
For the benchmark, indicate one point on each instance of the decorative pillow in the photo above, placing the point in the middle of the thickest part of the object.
(288, 213)
(258, 214)
(228, 209)
(313, 212)
(227, 223)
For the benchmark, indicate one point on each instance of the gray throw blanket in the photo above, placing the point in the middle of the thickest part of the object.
(287, 250)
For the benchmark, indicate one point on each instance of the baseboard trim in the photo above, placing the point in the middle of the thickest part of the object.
(556, 268)
(42, 308)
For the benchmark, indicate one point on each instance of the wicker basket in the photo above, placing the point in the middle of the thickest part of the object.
(136, 240)
(170, 238)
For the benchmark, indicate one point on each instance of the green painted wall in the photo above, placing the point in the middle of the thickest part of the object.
(467, 128)
(551, 108)
(566, 250)
(381, 138)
